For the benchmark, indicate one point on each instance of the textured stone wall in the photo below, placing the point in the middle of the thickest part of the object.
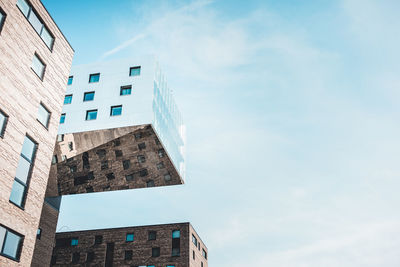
(141, 247)
(21, 92)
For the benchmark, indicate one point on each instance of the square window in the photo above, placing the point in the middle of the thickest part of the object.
(152, 235)
(70, 80)
(160, 166)
(176, 234)
(11, 243)
(74, 241)
(67, 99)
(118, 153)
(155, 252)
(110, 176)
(38, 66)
(3, 123)
(128, 254)
(89, 189)
(143, 173)
(43, 115)
(62, 118)
(91, 115)
(94, 78)
(88, 96)
(142, 146)
(129, 177)
(129, 237)
(141, 159)
(98, 239)
(134, 71)
(126, 164)
(101, 153)
(116, 110)
(150, 183)
(125, 90)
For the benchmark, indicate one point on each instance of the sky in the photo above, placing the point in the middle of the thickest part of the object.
(291, 109)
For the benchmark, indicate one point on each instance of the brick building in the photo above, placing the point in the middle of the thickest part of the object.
(166, 245)
(35, 60)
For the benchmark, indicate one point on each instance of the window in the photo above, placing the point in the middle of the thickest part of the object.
(90, 256)
(160, 166)
(94, 78)
(60, 137)
(201, 264)
(134, 71)
(2, 18)
(54, 159)
(125, 90)
(152, 235)
(167, 177)
(110, 176)
(150, 183)
(38, 66)
(70, 80)
(161, 153)
(155, 252)
(22, 176)
(91, 115)
(67, 99)
(142, 146)
(39, 233)
(43, 115)
(70, 146)
(10, 243)
(62, 118)
(3, 123)
(176, 243)
(88, 96)
(194, 240)
(143, 173)
(118, 153)
(204, 254)
(170, 265)
(176, 234)
(74, 241)
(129, 177)
(129, 237)
(141, 159)
(104, 165)
(36, 22)
(128, 254)
(98, 239)
(126, 164)
(75, 257)
(116, 111)
(194, 255)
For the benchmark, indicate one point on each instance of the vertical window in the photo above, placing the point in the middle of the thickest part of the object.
(88, 96)
(109, 255)
(134, 71)
(129, 237)
(3, 123)
(90, 256)
(10, 243)
(125, 90)
(91, 115)
(194, 240)
(128, 254)
(2, 18)
(94, 78)
(74, 241)
(68, 99)
(70, 79)
(62, 118)
(152, 235)
(155, 252)
(43, 115)
(194, 255)
(176, 243)
(38, 66)
(22, 176)
(76, 257)
(39, 233)
(116, 110)
(204, 254)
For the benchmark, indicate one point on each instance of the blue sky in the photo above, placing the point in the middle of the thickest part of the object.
(292, 114)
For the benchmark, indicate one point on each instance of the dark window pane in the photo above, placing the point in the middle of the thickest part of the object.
(90, 256)
(141, 159)
(91, 115)
(150, 183)
(70, 79)
(88, 96)
(152, 235)
(98, 239)
(155, 252)
(126, 90)
(110, 176)
(128, 254)
(62, 118)
(118, 153)
(129, 177)
(3, 122)
(76, 257)
(126, 164)
(142, 146)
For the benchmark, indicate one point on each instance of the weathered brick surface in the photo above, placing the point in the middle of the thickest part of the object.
(141, 246)
(198, 250)
(21, 91)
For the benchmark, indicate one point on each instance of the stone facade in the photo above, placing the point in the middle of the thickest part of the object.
(151, 246)
(21, 92)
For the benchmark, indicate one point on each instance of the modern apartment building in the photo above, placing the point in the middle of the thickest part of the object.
(35, 60)
(166, 245)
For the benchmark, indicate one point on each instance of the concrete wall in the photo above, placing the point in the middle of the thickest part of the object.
(21, 92)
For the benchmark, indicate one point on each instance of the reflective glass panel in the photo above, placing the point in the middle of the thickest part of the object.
(93, 78)
(68, 99)
(47, 38)
(28, 148)
(23, 6)
(134, 71)
(115, 111)
(70, 79)
(62, 118)
(38, 66)
(2, 235)
(176, 234)
(11, 245)
(129, 237)
(23, 169)
(91, 115)
(43, 115)
(88, 96)
(17, 193)
(34, 20)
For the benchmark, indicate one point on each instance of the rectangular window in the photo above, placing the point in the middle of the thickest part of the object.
(23, 173)
(194, 255)
(130, 237)
(62, 118)
(91, 115)
(38, 66)
(68, 99)
(76, 257)
(98, 239)
(88, 96)
(70, 79)
(39, 233)
(126, 90)
(43, 115)
(134, 71)
(90, 256)
(10, 243)
(74, 241)
(176, 243)
(2, 18)
(94, 78)
(152, 235)
(116, 110)
(155, 252)
(3, 122)
(204, 254)
(36, 22)
(109, 255)
(128, 254)
(194, 240)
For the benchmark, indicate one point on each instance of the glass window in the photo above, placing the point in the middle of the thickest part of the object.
(116, 111)
(91, 115)
(38, 66)
(194, 240)
(11, 245)
(2, 18)
(2, 236)
(3, 123)
(129, 237)
(23, 6)
(176, 234)
(134, 71)
(36, 23)
(62, 118)
(88, 96)
(23, 169)
(152, 235)
(43, 115)
(70, 79)
(126, 90)
(204, 254)
(94, 78)
(155, 252)
(39, 233)
(28, 148)
(47, 38)
(74, 241)
(128, 254)
(17, 193)
(68, 99)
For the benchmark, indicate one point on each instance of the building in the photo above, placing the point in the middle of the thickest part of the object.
(35, 60)
(167, 245)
